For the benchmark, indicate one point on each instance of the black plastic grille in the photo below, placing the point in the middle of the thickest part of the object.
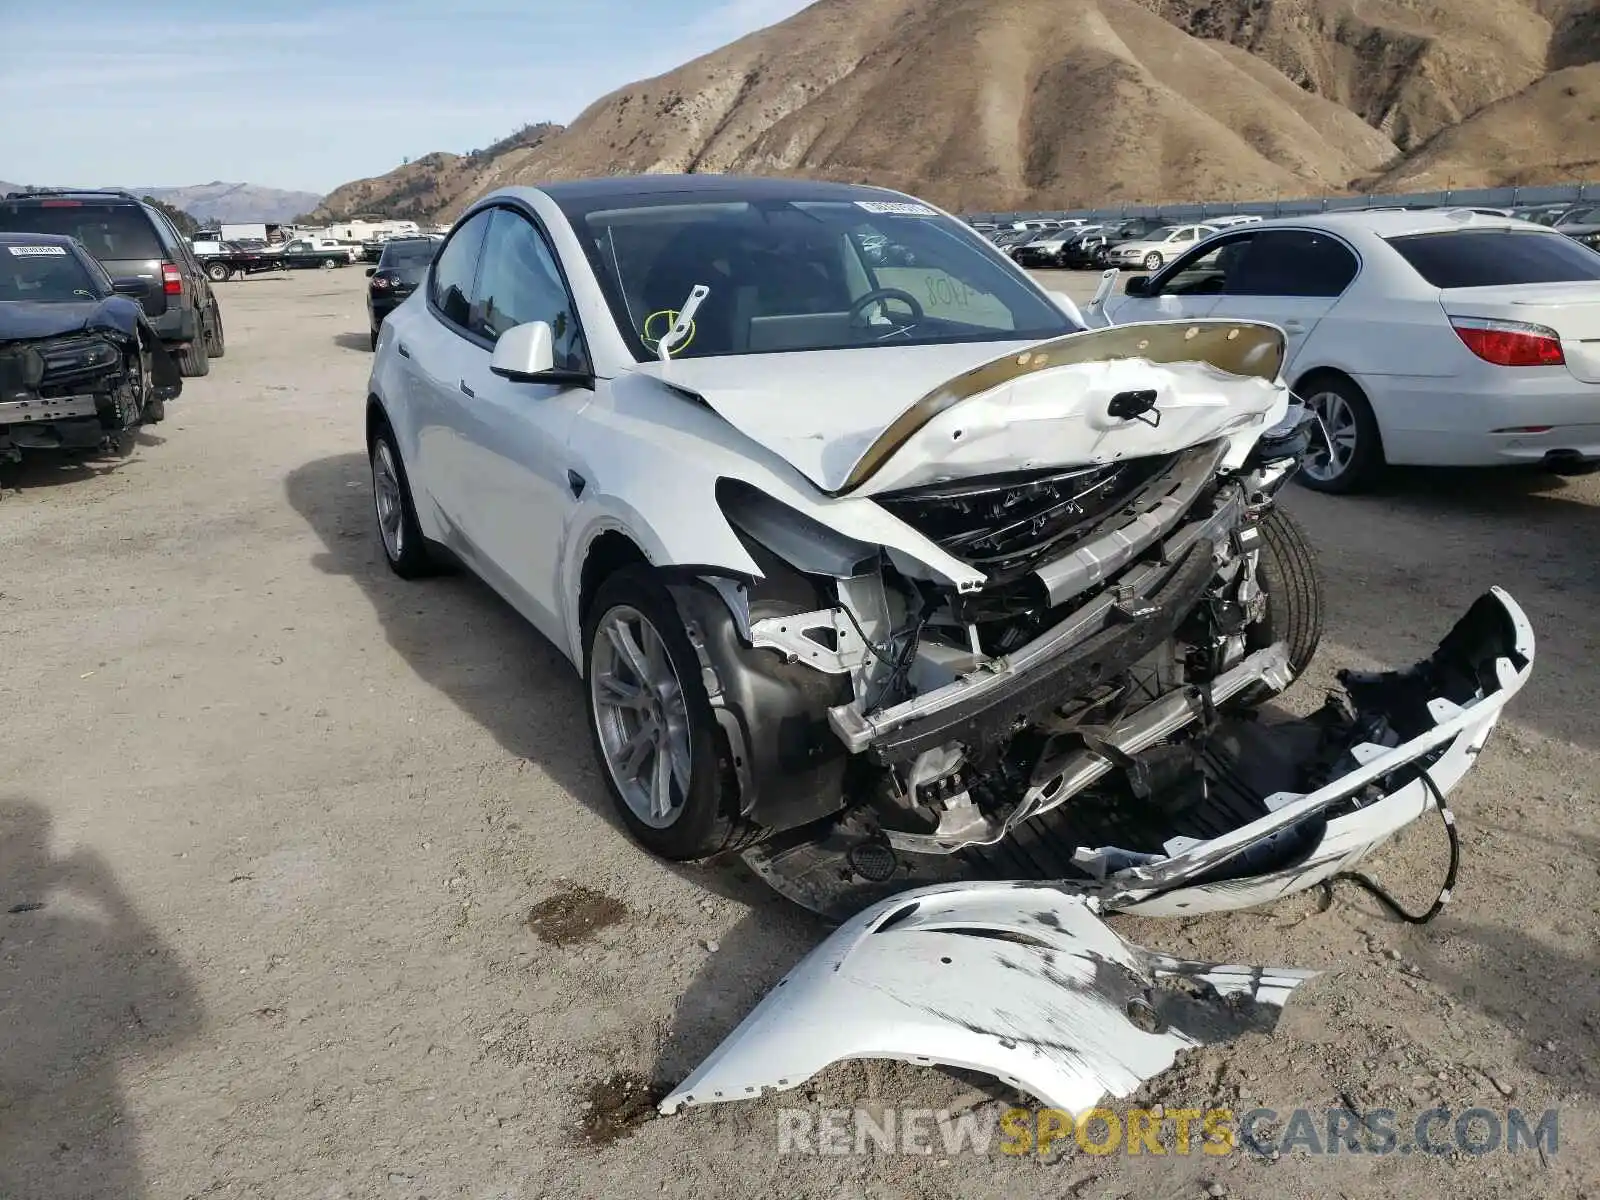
(1005, 525)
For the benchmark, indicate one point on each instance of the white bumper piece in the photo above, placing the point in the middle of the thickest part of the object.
(1022, 982)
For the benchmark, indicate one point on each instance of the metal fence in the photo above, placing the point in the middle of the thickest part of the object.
(1509, 197)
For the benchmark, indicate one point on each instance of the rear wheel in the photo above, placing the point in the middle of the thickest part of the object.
(194, 360)
(404, 547)
(329, 263)
(374, 337)
(219, 272)
(659, 746)
(1346, 451)
(216, 339)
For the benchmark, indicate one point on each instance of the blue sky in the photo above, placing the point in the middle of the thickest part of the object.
(305, 94)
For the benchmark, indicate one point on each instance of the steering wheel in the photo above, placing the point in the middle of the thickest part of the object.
(882, 296)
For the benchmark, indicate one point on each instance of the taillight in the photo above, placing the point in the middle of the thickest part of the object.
(379, 282)
(61, 204)
(1510, 343)
(171, 280)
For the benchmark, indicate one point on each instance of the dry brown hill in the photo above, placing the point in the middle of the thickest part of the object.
(998, 104)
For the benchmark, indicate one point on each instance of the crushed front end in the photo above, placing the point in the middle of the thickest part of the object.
(1079, 695)
(81, 390)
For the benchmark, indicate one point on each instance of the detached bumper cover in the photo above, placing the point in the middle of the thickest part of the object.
(1022, 982)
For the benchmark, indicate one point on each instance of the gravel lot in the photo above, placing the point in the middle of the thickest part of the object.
(298, 851)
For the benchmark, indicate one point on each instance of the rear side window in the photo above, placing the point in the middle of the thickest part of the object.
(454, 269)
(108, 231)
(1470, 258)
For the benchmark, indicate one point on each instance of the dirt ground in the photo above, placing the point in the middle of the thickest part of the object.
(314, 892)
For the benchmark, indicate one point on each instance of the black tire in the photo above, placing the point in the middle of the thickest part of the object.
(708, 822)
(1366, 462)
(1291, 577)
(416, 559)
(1153, 261)
(374, 337)
(329, 264)
(216, 337)
(219, 272)
(153, 411)
(195, 360)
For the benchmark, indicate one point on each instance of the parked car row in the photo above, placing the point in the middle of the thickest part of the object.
(1078, 243)
(104, 310)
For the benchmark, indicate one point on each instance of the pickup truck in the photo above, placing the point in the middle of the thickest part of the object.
(314, 252)
(221, 261)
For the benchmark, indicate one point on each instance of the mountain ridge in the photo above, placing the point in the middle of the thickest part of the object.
(1005, 104)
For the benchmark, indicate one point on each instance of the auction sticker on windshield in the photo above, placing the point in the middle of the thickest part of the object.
(30, 251)
(896, 208)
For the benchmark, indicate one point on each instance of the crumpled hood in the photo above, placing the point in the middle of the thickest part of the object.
(24, 320)
(880, 418)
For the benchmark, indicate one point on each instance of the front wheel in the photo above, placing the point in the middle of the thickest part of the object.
(658, 743)
(219, 272)
(1153, 261)
(1291, 578)
(216, 338)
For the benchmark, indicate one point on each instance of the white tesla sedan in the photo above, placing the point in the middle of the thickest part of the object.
(1417, 338)
(872, 562)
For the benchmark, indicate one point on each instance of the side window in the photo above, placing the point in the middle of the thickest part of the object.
(170, 241)
(1293, 262)
(519, 283)
(450, 286)
(1206, 270)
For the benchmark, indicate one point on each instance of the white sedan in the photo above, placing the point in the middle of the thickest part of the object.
(877, 566)
(1416, 338)
(1156, 249)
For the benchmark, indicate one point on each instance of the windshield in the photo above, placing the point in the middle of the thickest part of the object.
(1468, 258)
(806, 275)
(1581, 216)
(110, 232)
(45, 274)
(404, 256)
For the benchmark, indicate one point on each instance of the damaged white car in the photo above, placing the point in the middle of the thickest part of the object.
(889, 576)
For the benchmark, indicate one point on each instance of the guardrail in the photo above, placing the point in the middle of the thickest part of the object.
(1509, 197)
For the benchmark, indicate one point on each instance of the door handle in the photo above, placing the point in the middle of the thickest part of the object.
(1294, 326)
(404, 353)
(465, 390)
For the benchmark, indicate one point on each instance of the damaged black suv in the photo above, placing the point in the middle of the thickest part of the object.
(80, 363)
(131, 238)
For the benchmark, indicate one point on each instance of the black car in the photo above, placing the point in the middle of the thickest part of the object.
(404, 263)
(1582, 224)
(132, 239)
(81, 363)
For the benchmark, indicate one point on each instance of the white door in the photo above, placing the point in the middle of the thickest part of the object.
(436, 355)
(519, 484)
(1292, 278)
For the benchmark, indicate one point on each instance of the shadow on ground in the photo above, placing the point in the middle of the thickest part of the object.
(52, 468)
(354, 341)
(492, 665)
(83, 982)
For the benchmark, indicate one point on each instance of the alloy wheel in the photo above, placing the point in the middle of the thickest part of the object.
(641, 716)
(1333, 441)
(389, 501)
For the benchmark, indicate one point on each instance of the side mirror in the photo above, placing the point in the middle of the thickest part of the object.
(131, 286)
(526, 354)
(1139, 285)
(372, 270)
